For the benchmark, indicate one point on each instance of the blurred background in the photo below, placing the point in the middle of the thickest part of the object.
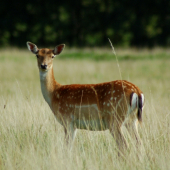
(85, 23)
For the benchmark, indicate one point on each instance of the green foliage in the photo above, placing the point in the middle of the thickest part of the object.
(85, 22)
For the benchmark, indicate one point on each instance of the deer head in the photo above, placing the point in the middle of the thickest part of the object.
(45, 56)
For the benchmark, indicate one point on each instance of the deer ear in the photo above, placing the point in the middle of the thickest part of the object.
(32, 47)
(58, 49)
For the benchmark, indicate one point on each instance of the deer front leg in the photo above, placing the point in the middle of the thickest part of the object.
(70, 133)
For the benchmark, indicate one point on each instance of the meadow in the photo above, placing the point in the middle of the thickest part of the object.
(31, 138)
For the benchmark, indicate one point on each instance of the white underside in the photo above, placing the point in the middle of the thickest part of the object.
(87, 117)
(84, 109)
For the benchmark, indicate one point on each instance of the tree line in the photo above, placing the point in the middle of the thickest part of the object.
(85, 22)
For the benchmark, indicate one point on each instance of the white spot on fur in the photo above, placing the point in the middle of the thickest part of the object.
(104, 103)
(108, 104)
(114, 91)
(111, 98)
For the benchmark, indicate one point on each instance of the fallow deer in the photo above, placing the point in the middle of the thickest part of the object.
(93, 107)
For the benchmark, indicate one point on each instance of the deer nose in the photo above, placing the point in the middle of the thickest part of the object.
(44, 66)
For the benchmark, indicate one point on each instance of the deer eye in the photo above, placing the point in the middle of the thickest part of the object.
(53, 56)
(37, 56)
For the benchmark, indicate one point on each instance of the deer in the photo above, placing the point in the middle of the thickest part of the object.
(93, 107)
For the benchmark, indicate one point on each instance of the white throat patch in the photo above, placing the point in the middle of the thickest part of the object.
(43, 75)
(44, 90)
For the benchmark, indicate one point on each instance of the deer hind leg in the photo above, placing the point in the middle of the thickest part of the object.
(117, 133)
(137, 137)
(132, 130)
(135, 131)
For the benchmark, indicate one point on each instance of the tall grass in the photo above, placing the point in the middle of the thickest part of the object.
(31, 138)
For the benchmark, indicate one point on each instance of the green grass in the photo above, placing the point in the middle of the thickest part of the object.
(96, 54)
(124, 54)
(31, 138)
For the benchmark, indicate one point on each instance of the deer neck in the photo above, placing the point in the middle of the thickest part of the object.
(48, 84)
